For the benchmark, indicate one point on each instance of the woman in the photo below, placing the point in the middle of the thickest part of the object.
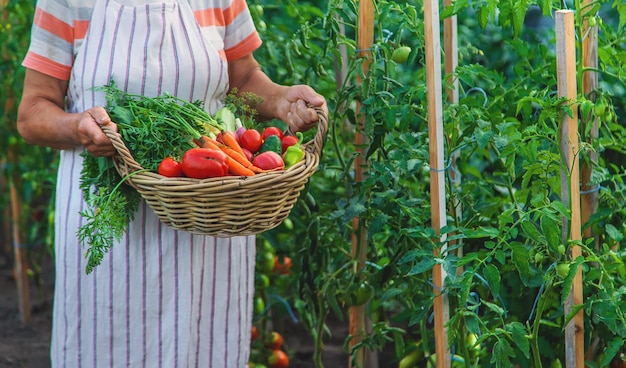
(160, 298)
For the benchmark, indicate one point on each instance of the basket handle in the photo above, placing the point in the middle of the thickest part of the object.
(322, 128)
(130, 165)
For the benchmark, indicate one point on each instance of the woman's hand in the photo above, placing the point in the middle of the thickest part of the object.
(287, 103)
(42, 119)
(91, 135)
(299, 100)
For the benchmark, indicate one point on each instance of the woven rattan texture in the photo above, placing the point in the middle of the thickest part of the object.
(226, 206)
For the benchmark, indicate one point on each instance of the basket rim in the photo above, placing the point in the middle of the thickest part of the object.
(133, 172)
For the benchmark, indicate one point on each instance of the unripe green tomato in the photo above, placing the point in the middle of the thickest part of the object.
(401, 54)
(259, 305)
(599, 109)
(562, 270)
(539, 257)
(561, 249)
(592, 21)
(261, 281)
(265, 262)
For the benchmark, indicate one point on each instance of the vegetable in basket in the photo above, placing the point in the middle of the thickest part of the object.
(152, 129)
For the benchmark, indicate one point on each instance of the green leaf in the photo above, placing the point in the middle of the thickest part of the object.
(492, 275)
(501, 354)
(614, 346)
(530, 230)
(518, 332)
(551, 231)
(424, 265)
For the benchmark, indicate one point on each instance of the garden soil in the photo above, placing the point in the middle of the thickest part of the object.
(26, 345)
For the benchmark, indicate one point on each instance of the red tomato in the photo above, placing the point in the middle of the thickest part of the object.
(254, 333)
(251, 140)
(288, 141)
(282, 267)
(278, 359)
(269, 160)
(170, 168)
(202, 163)
(272, 131)
(274, 341)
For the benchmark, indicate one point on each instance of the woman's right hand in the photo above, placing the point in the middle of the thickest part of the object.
(42, 119)
(91, 135)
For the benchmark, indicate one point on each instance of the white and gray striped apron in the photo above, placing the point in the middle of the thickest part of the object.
(161, 298)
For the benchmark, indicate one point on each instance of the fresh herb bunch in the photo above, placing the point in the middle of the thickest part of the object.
(152, 128)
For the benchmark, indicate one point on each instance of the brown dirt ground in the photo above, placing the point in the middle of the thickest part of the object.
(26, 345)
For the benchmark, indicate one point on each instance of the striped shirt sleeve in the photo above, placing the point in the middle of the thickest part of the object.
(52, 40)
(232, 21)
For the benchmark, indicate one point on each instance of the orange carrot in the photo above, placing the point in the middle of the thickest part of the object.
(240, 158)
(237, 168)
(229, 139)
(206, 142)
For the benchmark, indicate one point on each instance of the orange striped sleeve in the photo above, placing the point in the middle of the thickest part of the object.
(243, 48)
(209, 17)
(47, 66)
(80, 29)
(233, 11)
(54, 25)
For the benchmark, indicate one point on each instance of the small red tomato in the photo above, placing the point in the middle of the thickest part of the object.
(254, 334)
(274, 341)
(272, 131)
(170, 168)
(278, 359)
(288, 141)
(269, 160)
(202, 163)
(251, 140)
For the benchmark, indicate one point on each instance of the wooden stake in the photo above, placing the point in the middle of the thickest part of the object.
(365, 40)
(590, 85)
(437, 167)
(451, 61)
(566, 79)
(21, 278)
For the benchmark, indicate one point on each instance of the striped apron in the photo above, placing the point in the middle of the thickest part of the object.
(160, 298)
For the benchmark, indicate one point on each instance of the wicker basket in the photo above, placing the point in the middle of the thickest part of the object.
(227, 206)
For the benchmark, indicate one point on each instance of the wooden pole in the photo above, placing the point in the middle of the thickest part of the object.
(21, 278)
(365, 40)
(451, 61)
(590, 85)
(566, 80)
(437, 181)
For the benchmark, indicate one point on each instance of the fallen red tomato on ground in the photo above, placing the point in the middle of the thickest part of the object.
(202, 163)
(170, 168)
(269, 160)
(278, 359)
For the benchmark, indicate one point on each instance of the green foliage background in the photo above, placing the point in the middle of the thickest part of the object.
(508, 285)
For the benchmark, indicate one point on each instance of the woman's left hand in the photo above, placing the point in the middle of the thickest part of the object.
(299, 114)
